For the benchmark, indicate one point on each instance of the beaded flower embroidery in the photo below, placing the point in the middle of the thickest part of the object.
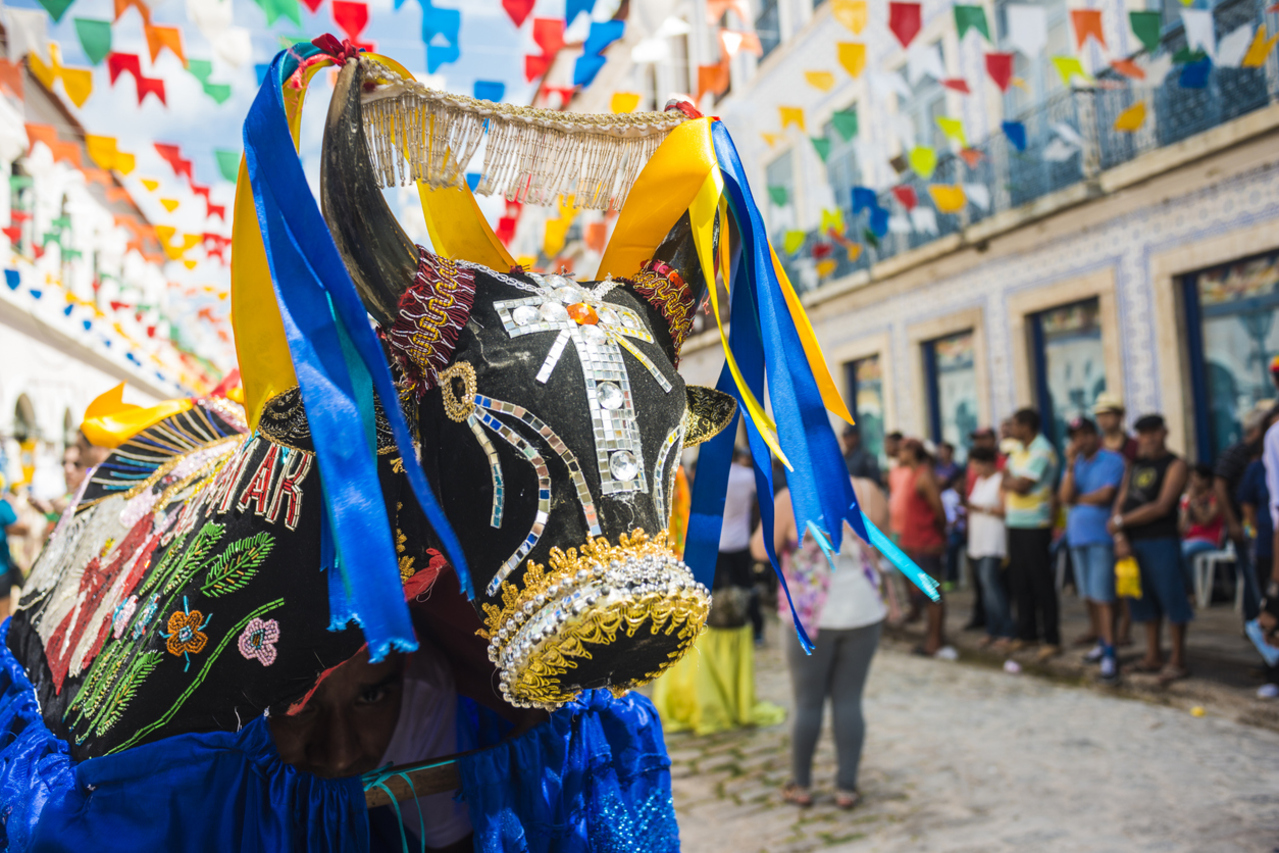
(186, 632)
(258, 640)
(123, 613)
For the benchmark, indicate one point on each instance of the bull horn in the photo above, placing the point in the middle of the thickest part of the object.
(380, 257)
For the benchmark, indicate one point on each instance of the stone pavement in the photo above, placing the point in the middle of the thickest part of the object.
(970, 758)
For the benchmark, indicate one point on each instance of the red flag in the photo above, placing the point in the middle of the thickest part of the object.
(518, 10)
(116, 306)
(196, 189)
(173, 156)
(906, 195)
(218, 210)
(822, 250)
(957, 84)
(350, 17)
(536, 66)
(548, 34)
(505, 230)
(120, 62)
(14, 233)
(313, 5)
(1000, 68)
(904, 20)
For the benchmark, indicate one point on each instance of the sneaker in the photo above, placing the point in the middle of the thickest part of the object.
(1268, 691)
(1095, 654)
(946, 653)
(1047, 651)
(1109, 672)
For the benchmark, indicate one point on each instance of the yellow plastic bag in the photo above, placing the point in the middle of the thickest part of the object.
(1127, 578)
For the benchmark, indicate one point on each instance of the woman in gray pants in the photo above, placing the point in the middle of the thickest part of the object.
(842, 610)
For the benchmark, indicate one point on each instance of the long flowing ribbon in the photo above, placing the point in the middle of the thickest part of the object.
(315, 294)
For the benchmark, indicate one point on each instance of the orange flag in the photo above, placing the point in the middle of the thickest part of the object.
(1087, 22)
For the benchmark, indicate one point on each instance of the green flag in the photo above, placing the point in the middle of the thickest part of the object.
(869, 237)
(200, 69)
(845, 122)
(228, 163)
(1185, 56)
(56, 8)
(822, 144)
(974, 17)
(95, 38)
(1146, 27)
(218, 91)
(275, 8)
(779, 195)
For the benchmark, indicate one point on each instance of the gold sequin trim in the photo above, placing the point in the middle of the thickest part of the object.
(458, 407)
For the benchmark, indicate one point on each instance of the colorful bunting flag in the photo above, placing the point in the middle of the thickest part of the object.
(1131, 119)
(161, 38)
(1027, 29)
(170, 204)
(906, 195)
(1129, 69)
(548, 34)
(274, 9)
(585, 69)
(26, 30)
(1016, 133)
(151, 184)
(1000, 68)
(1233, 46)
(904, 21)
(11, 78)
(1087, 22)
(971, 17)
(95, 38)
(845, 123)
(832, 221)
(792, 241)
(351, 18)
(489, 90)
(536, 66)
(518, 10)
(602, 34)
(1069, 67)
(624, 102)
(172, 155)
(228, 163)
(864, 198)
(979, 195)
(771, 138)
(1200, 31)
(878, 221)
(952, 129)
(823, 80)
(575, 7)
(1260, 49)
(957, 84)
(779, 194)
(56, 8)
(822, 146)
(850, 13)
(1194, 75)
(826, 267)
(971, 157)
(76, 82)
(948, 198)
(923, 160)
(791, 115)
(852, 56)
(713, 78)
(1147, 27)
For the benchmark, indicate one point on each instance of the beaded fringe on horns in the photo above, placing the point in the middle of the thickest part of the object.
(529, 155)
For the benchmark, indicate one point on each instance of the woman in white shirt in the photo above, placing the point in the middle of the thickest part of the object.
(842, 612)
(988, 546)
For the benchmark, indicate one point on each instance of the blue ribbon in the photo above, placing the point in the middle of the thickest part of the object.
(316, 295)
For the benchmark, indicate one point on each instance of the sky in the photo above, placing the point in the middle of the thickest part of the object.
(492, 48)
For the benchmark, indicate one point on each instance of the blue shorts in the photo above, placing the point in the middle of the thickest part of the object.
(1163, 589)
(1095, 571)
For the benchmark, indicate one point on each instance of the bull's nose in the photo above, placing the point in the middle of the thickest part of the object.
(613, 616)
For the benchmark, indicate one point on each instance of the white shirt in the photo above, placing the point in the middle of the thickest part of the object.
(1270, 458)
(735, 535)
(427, 728)
(987, 536)
(852, 599)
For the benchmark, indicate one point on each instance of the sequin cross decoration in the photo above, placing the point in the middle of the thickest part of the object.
(599, 331)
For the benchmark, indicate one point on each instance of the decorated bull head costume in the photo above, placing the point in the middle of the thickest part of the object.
(518, 429)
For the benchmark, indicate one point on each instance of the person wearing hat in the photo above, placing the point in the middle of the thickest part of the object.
(1092, 478)
(1109, 412)
(1144, 526)
(860, 461)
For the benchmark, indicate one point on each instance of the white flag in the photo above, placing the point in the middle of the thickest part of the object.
(978, 194)
(1233, 47)
(898, 224)
(924, 59)
(1157, 69)
(924, 219)
(1069, 134)
(886, 83)
(1058, 150)
(234, 46)
(1199, 32)
(27, 31)
(211, 17)
(1027, 29)
(651, 50)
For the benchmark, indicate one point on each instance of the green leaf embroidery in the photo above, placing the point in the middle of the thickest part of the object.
(205, 541)
(125, 690)
(237, 565)
(171, 555)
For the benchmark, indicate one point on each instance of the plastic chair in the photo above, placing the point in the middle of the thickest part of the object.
(1205, 572)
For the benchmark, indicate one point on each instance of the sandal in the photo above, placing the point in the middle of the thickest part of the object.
(1143, 667)
(792, 793)
(847, 800)
(1171, 673)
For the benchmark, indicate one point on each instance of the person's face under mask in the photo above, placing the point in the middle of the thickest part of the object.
(346, 726)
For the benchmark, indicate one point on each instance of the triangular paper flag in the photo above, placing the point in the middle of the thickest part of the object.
(150, 184)
(792, 240)
(1260, 49)
(26, 30)
(971, 157)
(1057, 151)
(1148, 28)
(924, 59)
(906, 195)
(978, 194)
(56, 8)
(822, 146)
(1087, 22)
(948, 198)
(124, 162)
(771, 138)
(971, 17)
(791, 115)
(518, 10)
(833, 221)
(826, 267)
(1129, 69)
(1027, 29)
(161, 38)
(624, 102)
(845, 122)
(170, 204)
(852, 56)
(78, 84)
(1234, 46)
(904, 21)
(850, 13)
(95, 38)
(228, 163)
(1200, 31)
(779, 195)
(1194, 75)
(1132, 118)
(823, 80)
(1000, 68)
(899, 224)
(1069, 67)
(189, 264)
(101, 149)
(957, 84)
(1016, 133)
(923, 160)
(924, 219)
(953, 129)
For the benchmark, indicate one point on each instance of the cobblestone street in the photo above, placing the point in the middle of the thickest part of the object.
(967, 758)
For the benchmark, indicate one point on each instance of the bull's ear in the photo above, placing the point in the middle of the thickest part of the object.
(708, 412)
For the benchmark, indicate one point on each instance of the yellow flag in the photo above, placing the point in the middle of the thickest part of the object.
(825, 267)
(189, 241)
(151, 184)
(923, 160)
(771, 138)
(624, 102)
(1132, 118)
(852, 55)
(833, 220)
(46, 74)
(1069, 67)
(791, 115)
(78, 84)
(556, 232)
(102, 150)
(952, 128)
(823, 80)
(850, 13)
(124, 162)
(189, 264)
(949, 199)
(1259, 49)
(170, 204)
(792, 240)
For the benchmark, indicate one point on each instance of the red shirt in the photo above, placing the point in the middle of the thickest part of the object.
(910, 516)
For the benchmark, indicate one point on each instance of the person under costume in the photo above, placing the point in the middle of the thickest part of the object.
(225, 559)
